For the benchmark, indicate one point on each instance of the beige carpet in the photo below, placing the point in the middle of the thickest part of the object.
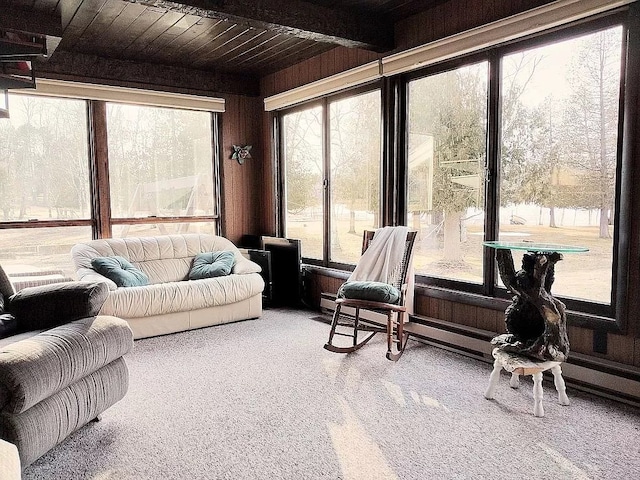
(262, 399)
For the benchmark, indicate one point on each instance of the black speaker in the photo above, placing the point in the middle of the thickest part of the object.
(251, 241)
(263, 258)
(286, 276)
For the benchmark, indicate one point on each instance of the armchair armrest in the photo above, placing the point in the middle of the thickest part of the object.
(35, 368)
(47, 306)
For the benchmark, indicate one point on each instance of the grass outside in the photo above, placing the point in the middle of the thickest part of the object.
(579, 275)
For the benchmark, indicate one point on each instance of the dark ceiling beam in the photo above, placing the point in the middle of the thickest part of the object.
(85, 68)
(31, 22)
(293, 17)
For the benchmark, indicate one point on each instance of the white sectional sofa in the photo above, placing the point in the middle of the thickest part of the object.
(171, 302)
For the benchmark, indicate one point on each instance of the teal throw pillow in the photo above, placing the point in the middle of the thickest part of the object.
(372, 291)
(212, 264)
(120, 271)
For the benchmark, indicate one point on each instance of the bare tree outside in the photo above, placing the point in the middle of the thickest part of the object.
(355, 131)
(303, 163)
(559, 151)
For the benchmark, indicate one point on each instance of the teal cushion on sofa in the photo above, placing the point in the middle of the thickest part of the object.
(120, 271)
(212, 264)
(372, 291)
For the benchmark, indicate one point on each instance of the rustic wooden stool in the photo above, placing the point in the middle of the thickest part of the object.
(520, 365)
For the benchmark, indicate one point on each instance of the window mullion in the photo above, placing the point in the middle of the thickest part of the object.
(492, 172)
(326, 183)
(99, 168)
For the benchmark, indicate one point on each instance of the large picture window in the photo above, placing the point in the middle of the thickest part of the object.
(332, 155)
(161, 178)
(515, 143)
(303, 169)
(560, 106)
(555, 157)
(160, 164)
(355, 173)
(44, 184)
(446, 163)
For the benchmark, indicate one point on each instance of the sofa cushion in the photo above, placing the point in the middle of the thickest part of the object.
(119, 270)
(165, 298)
(50, 305)
(212, 264)
(372, 291)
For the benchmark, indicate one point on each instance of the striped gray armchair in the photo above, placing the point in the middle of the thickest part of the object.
(61, 364)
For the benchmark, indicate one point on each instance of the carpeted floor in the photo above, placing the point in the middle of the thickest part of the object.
(262, 399)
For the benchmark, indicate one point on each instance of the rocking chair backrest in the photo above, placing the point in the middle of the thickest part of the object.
(404, 271)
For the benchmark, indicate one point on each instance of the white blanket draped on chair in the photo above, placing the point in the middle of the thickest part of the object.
(382, 261)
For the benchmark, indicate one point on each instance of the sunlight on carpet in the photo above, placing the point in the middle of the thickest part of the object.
(359, 455)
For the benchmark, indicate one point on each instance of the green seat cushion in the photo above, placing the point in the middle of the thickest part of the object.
(120, 271)
(372, 291)
(212, 264)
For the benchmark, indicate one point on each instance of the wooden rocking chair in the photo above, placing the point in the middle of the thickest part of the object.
(396, 312)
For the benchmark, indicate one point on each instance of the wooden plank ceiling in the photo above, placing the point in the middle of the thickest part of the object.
(237, 37)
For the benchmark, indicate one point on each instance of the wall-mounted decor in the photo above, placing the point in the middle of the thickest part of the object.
(241, 153)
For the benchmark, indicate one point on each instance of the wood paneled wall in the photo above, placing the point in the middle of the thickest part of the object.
(242, 194)
(447, 18)
(624, 349)
(443, 20)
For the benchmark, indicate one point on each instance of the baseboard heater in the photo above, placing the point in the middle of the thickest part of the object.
(604, 378)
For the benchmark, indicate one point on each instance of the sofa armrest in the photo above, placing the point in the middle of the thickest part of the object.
(35, 368)
(244, 266)
(47, 306)
(90, 275)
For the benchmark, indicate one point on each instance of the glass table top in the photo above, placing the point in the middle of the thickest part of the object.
(536, 247)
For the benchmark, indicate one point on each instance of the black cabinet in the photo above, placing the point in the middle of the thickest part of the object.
(286, 270)
(281, 262)
(263, 258)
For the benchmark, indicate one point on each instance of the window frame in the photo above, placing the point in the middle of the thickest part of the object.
(607, 317)
(324, 103)
(100, 219)
(105, 194)
(611, 316)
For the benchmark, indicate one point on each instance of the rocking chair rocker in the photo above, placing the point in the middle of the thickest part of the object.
(392, 303)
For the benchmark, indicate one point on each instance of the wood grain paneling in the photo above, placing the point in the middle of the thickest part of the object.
(241, 195)
(100, 70)
(620, 348)
(490, 320)
(581, 340)
(442, 20)
(323, 65)
(455, 16)
(464, 314)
